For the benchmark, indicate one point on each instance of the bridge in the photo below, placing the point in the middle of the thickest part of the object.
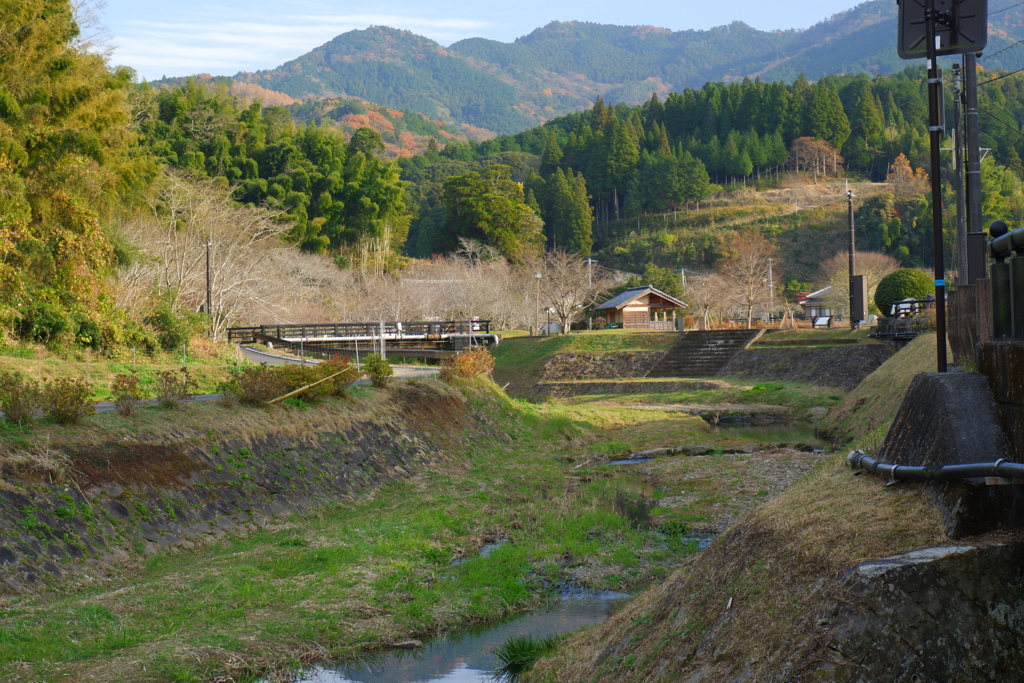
(426, 339)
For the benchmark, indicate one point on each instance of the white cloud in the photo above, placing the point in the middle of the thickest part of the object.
(155, 48)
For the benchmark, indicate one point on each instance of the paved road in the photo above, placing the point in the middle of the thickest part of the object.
(401, 371)
(256, 356)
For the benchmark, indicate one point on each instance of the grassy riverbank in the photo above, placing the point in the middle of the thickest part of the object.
(207, 363)
(751, 606)
(403, 562)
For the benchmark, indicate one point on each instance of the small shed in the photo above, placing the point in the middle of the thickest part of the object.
(815, 305)
(642, 308)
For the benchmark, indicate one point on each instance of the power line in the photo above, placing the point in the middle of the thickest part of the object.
(1014, 44)
(1006, 8)
(999, 77)
(1008, 126)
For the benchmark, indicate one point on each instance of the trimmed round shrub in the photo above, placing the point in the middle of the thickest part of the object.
(905, 283)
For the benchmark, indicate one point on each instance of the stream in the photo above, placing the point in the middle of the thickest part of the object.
(465, 657)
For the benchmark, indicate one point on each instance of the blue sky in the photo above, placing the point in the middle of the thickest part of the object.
(222, 37)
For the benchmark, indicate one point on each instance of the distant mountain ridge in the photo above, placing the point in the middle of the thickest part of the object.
(562, 67)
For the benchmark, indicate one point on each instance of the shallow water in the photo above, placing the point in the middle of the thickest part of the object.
(774, 433)
(466, 657)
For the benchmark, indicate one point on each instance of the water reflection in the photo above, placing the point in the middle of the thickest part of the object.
(776, 433)
(466, 657)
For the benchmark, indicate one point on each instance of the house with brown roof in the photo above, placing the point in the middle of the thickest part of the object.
(642, 308)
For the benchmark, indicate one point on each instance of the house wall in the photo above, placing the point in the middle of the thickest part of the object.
(636, 317)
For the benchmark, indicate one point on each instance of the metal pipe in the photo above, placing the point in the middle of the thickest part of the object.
(999, 468)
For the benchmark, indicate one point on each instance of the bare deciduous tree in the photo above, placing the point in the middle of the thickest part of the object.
(748, 275)
(189, 215)
(704, 293)
(568, 286)
(836, 273)
(817, 156)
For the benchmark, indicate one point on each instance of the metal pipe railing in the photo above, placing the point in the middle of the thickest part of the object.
(998, 468)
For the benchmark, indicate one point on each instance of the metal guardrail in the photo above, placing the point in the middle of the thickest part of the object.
(361, 331)
(899, 328)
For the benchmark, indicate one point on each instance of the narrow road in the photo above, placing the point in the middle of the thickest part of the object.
(401, 371)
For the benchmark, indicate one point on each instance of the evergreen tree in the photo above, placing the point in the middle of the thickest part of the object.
(489, 207)
(828, 121)
(571, 215)
(552, 156)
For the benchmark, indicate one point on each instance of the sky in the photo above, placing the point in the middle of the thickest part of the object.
(223, 37)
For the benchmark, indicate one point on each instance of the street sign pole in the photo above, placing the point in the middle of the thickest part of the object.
(929, 28)
(935, 130)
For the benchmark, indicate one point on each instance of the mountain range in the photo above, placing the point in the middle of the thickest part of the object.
(560, 68)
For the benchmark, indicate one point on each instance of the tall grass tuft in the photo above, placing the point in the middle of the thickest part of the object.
(519, 653)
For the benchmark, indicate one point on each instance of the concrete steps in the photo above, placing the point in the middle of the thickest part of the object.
(702, 353)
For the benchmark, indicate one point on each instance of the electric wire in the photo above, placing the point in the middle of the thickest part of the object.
(1008, 126)
(1013, 44)
(1006, 8)
(996, 78)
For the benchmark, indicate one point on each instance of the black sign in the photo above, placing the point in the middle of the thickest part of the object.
(960, 26)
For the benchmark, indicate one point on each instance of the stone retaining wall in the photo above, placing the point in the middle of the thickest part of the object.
(621, 365)
(77, 528)
(941, 614)
(836, 366)
(570, 389)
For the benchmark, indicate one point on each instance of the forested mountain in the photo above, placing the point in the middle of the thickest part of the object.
(669, 154)
(508, 87)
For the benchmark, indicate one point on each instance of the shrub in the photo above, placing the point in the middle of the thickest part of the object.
(476, 361)
(348, 374)
(254, 385)
(902, 284)
(87, 331)
(44, 323)
(19, 397)
(67, 400)
(127, 393)
(378, 369)
(174, 389)
(174, 329)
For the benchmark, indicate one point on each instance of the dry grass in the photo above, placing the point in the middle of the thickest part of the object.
(41, 461)
(865, 414)
(748, 606)
(150, 447)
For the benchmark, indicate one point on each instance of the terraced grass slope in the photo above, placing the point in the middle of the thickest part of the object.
(748, 607)
(519, 362)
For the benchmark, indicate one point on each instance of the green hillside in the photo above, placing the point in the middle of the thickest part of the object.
(561, 67)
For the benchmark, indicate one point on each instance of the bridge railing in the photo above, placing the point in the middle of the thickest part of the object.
(393, 330)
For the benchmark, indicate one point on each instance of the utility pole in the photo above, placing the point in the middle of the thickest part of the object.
(958, 170)
(536, 304)
(209, 289)
(973, 142)
(853, 269)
